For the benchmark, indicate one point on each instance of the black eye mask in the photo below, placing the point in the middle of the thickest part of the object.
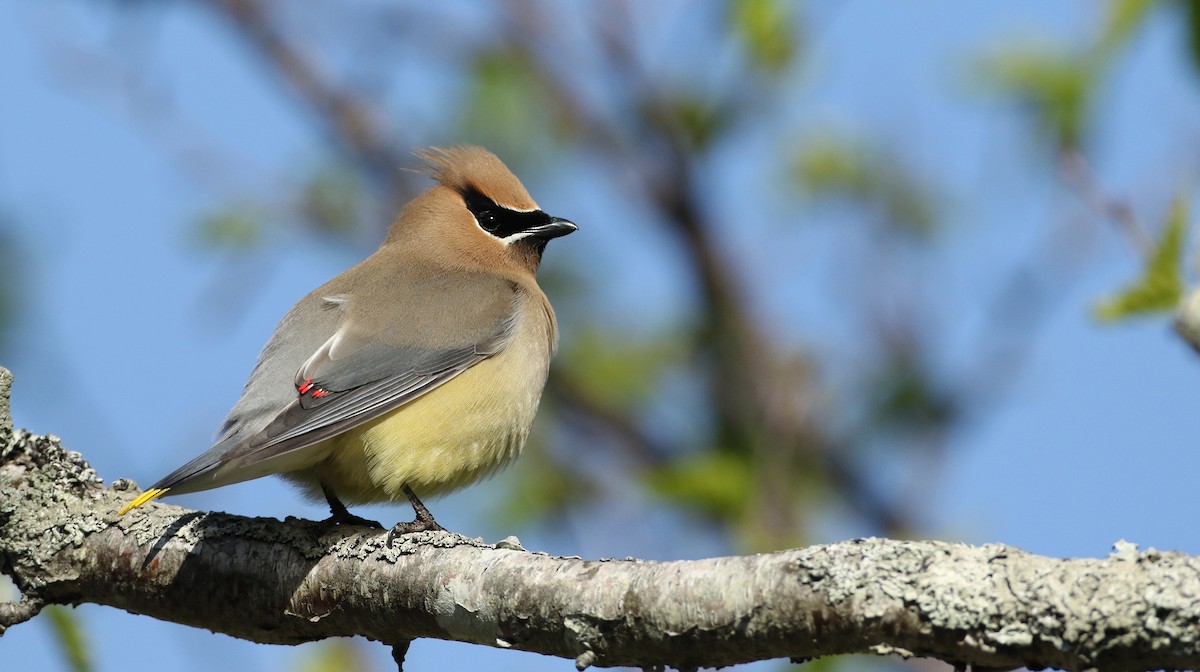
(500, 221)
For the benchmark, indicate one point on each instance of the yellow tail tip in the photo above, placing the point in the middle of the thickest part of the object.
(152, 493)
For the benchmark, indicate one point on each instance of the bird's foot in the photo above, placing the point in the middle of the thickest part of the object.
(344, 517)
(424, 521)
(413, 526)
(339, 515)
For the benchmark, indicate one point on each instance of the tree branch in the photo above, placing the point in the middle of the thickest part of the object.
(295, 581)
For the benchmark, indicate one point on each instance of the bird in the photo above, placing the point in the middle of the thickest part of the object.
(412, 374)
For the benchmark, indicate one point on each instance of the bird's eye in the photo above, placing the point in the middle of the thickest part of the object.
(488, 220)
(484, 209)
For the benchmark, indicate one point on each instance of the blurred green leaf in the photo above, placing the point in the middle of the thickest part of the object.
(905, 395)
(832, 167)
(686, 116)
(331, 199)
(766, 28)
(615, 371)
(839, 663)
(506, 107)
(544, 488)
(1123, 18)
(333, 655)
(65, 624)
(238, 227)
(715, 481)
(1055, 87)
(1161, 285)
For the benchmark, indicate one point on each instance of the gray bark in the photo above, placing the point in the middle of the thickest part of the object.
(295, 581)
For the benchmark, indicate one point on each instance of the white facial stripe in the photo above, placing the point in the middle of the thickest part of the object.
(510, 239)
(515, 237)
(509, 207)
(489, 233)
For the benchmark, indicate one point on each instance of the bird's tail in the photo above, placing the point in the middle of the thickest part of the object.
(147, 496)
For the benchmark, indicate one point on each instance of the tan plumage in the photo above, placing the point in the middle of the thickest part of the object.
(419, 369)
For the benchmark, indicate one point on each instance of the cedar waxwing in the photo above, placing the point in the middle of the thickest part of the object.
(416, 372)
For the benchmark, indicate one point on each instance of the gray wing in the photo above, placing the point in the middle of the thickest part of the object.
(352, 377)
(335, 396)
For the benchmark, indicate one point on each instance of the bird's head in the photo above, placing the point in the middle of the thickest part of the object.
(478, 212)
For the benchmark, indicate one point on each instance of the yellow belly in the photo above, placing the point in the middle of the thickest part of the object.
(451, 437)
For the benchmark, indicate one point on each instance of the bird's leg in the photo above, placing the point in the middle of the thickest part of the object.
(341, 516)
(424, 520)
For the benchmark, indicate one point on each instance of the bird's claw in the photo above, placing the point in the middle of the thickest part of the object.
(424, 523)
(347, 518)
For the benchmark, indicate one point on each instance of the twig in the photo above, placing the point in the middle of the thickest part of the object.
(1078, 173)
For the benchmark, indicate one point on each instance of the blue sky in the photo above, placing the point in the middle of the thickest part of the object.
(134, 342)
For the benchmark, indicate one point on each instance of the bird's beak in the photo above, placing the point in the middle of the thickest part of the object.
(557, 226)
